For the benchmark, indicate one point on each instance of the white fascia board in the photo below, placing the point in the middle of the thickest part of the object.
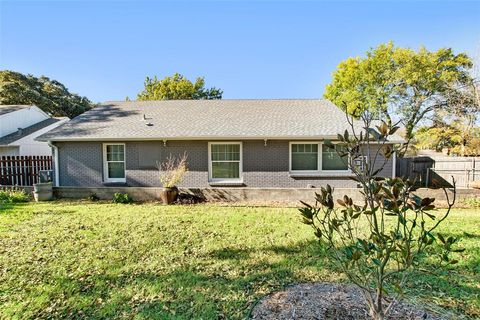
(212, 138)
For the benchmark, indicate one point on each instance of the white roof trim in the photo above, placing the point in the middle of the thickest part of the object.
(213, 138)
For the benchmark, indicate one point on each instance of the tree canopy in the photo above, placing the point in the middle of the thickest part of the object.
(177, 87)
(453, 139)
(410, 84)
(49, 95)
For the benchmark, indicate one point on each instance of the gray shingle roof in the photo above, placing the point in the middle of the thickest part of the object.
(7, 108)
(204, 119)
(12, 137)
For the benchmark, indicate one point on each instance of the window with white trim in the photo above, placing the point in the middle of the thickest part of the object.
(304, 157)
(114, 162)
(316, 158)
(331, 159)
(225, 161)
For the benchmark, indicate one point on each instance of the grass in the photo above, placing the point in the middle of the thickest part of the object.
(102, 260)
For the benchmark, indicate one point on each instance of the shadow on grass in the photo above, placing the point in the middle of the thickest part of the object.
(468, 235)
(218, 284)
(210, 289)
(6, 207)
(449, 287)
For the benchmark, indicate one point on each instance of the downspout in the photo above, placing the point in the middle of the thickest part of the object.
(55, 164)
(394, 164)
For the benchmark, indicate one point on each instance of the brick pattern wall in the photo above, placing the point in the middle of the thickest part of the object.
(81, 164)
(197, 158)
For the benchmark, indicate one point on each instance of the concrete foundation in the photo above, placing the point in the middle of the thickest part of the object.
(244, 194)
(292, 195)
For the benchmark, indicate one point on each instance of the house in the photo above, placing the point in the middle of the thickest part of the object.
(250, 143)
(20, 125)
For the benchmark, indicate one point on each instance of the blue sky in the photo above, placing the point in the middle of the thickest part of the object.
(267, 49)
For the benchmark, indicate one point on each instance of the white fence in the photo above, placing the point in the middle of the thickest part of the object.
(463, 169)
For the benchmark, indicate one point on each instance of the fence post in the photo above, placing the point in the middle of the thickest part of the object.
(10, 171)
(2, 174)
(473, 169)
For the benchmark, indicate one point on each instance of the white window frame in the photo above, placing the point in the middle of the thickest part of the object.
(240, 169)
(348, 170)
(320, 171)
(319, 160)
(105, 165)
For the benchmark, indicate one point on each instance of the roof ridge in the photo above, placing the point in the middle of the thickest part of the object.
(215, 100)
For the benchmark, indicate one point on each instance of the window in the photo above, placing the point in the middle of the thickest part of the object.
(304, 157)
(332, 161)
(225, 161)
(114, 162)
(311, 158)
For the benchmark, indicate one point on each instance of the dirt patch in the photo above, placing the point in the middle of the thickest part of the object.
(327, 301)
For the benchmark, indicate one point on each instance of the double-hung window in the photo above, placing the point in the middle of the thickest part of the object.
(114, 162)
(225, 161)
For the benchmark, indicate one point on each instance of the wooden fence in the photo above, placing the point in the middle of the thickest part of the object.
(438, 171)
(23, 170)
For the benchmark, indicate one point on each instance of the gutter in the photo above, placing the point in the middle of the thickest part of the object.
(205, 138)
(55, 164)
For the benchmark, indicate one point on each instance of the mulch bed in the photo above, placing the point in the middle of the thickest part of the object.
(327, 301)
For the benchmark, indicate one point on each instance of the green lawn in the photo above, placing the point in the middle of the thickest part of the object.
(101, 260)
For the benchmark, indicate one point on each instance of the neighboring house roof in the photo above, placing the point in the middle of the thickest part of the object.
(12, 137)
(205, 119)
(5, 108)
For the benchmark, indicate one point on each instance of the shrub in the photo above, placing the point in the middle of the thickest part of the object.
(13, 196)
(399, 224)
(122, 198)
(172, 170)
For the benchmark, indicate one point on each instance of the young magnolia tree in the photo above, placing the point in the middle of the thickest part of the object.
(376, 241)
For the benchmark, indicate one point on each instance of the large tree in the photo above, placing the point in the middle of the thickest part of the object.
(177, 87)
(455, 138)
(49, 95)
(412, 85)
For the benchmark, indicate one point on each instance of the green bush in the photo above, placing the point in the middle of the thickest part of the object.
(122, 198)
(13, 196)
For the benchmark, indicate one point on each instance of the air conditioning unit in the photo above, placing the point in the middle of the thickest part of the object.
(45, 176)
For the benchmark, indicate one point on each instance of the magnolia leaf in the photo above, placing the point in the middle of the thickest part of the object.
(441, 238)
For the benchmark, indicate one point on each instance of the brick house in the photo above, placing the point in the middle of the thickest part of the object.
(249, 143)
